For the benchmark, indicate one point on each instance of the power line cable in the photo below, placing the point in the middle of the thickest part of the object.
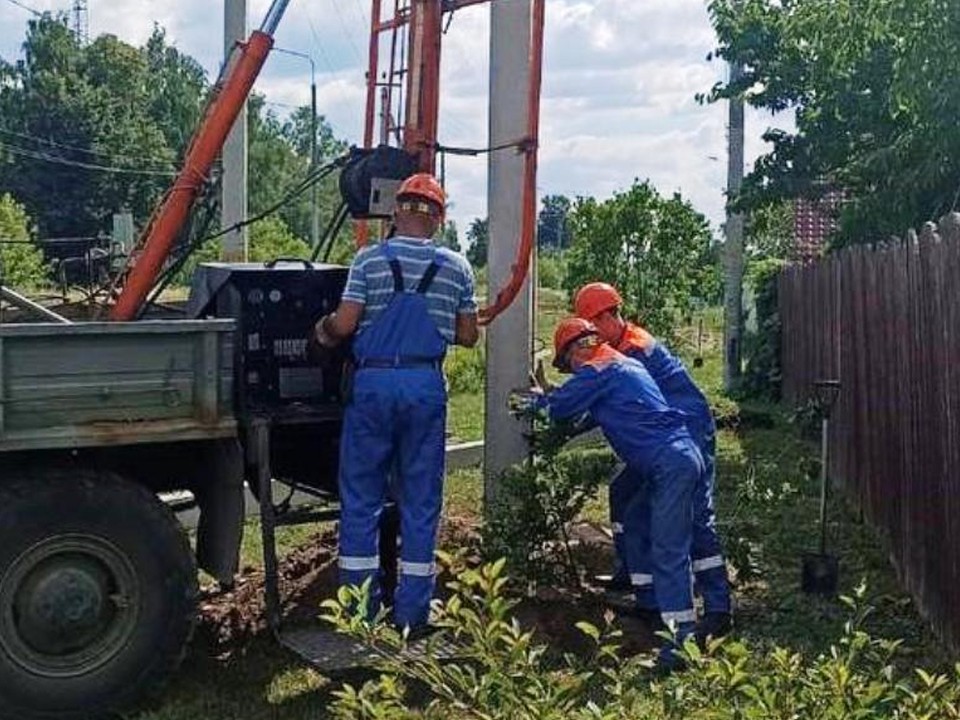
(25, 7)
(346, 31)
(75, 148)
(37, 155)
(319, 42)
(363, 15)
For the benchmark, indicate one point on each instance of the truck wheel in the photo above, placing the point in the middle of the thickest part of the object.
(98, 592)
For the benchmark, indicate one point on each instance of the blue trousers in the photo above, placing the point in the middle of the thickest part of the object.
(658, 531)
(708, 566)
(395, 423)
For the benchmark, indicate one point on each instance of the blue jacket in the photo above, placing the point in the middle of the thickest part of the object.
(625, 402)
(678, 388)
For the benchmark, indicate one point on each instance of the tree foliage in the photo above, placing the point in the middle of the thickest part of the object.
(872, 86)
(478, 238)
(553, 226)
(69, 111)
(21, 262)
(449, 236)
(656, 250)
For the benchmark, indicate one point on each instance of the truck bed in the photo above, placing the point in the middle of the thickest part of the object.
(101, 384)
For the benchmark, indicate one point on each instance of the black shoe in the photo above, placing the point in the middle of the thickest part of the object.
(618, 582)
(713, 625)
(667, 663)
(650, 618)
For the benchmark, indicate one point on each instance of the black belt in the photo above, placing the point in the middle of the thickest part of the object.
(402, 362)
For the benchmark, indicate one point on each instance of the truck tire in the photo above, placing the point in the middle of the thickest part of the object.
(98, 592)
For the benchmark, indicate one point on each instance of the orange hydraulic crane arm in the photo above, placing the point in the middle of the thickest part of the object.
(158, 239)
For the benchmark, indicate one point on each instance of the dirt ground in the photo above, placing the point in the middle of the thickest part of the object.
(230, 621)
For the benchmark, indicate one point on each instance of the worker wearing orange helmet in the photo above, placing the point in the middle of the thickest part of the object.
(660, 455)
(600, 303)
(405, 302)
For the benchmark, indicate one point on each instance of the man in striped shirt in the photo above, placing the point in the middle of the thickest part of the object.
(405, 302)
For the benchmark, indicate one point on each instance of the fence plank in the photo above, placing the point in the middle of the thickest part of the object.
(886, 322)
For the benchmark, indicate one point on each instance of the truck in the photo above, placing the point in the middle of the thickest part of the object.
(98, 420)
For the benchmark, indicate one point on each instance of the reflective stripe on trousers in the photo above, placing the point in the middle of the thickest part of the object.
(658, 526)
(396, 419)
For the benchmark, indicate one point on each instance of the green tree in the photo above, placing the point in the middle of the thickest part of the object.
(478, 238)
(280, 160)
(449, 237)
(872, 86)
(656, 250)
(21, 262)
(271, 239)
(553, 225)
(769, 232)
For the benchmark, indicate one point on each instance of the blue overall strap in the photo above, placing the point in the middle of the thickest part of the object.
(397, 273)
(427, 280)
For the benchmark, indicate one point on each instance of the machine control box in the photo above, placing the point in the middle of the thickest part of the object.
(275, 306)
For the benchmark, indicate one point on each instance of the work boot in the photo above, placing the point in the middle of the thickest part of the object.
(648, 616)
(618, 582)
(713, 625)
(651, 618)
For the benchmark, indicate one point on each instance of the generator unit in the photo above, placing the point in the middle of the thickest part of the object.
(275, 306)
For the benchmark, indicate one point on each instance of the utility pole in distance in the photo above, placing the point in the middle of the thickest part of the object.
(314, 204)
(733, 247)
(233, 246)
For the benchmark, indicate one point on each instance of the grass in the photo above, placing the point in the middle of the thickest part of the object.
(767, 510)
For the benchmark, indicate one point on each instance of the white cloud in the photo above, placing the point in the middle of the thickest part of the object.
(619, 84)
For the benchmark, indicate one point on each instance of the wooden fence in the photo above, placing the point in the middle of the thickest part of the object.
(885, 321)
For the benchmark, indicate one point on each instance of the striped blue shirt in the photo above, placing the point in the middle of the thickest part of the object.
(370, 282)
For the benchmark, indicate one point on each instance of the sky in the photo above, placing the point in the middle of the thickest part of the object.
(619, 85)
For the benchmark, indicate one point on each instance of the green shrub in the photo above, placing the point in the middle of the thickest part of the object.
(550, 270)
(270, 239)
(466, 370)
(761, 377)
(536, 501)
(496, 669)
(21, 262)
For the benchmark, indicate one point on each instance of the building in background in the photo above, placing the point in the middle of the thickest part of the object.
(814, 221)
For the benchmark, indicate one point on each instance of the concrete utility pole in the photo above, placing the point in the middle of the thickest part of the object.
(510, 337)
(233, 246)
(733, 248)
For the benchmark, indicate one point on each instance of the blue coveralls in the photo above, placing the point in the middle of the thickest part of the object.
(395, 420)
(680, 392)
(653, 440)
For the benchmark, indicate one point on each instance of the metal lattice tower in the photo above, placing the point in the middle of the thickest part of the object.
(81, 20)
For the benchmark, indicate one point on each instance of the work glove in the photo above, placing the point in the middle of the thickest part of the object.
(525, 403)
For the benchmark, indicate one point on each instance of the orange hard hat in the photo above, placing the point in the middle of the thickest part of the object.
(423, 186)
(595, 298)
(569, 331)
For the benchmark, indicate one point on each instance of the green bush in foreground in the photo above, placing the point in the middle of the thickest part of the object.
(498, 670)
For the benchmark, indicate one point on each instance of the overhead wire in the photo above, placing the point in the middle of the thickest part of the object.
(346, 31)
(22, 6)
(203, 237)
(75, 148)
(53, 159)
(319, 42)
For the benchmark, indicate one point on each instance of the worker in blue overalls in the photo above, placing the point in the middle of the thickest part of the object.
(653, 440)
(406, 301)
(600, 303)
